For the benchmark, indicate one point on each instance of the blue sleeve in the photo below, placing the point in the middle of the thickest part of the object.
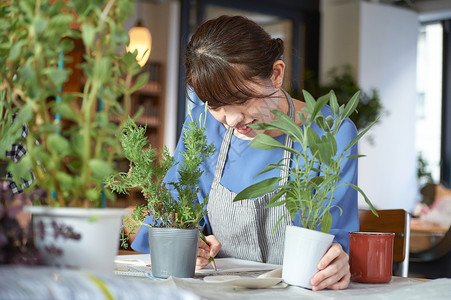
(141, 241)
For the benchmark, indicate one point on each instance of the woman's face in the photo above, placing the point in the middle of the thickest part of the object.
(239, 116)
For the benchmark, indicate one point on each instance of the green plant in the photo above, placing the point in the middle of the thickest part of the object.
(72, 141)
(342, 82)
(147, 171)
(316, 169)
(424, 174)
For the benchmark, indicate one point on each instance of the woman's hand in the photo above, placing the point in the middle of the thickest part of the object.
(207, 250)
(333, 270)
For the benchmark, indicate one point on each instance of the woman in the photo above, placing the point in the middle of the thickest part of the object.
(235, 67)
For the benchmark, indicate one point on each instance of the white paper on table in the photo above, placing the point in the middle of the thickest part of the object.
(232, 265)
(142, 260)
(228, 271)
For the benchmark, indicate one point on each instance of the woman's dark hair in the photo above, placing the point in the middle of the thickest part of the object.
(224, 55)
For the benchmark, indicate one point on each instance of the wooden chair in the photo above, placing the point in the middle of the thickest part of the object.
(391, 220)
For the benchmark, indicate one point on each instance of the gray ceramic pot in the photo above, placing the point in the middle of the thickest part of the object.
(173, 252)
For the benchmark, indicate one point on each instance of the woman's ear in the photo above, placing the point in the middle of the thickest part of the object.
(278, 70)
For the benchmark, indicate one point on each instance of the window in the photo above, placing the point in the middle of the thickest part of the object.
(429, 106)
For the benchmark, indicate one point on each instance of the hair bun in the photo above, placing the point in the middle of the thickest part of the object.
(277, 47)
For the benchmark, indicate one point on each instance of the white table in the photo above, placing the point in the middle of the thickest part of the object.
(398, 288)
(18, 282)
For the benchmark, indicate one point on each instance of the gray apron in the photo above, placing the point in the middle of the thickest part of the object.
(245, 228)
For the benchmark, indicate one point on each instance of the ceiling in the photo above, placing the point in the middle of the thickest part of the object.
(428, 10)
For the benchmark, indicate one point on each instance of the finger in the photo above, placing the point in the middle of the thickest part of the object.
(214, 244)
(203, 253)
(202, 245)
(329, 281)
(201, 262)
(341, 284)
(332, 273)
(334, 251)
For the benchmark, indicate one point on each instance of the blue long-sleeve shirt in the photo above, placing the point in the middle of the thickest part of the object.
(244, 162)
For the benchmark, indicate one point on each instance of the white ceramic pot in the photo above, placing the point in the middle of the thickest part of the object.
(303, 250)
(77, 238)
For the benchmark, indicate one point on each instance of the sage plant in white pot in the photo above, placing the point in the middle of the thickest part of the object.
(172, 207)
(314, 175)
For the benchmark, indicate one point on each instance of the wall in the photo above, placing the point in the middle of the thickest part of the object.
(380, 42)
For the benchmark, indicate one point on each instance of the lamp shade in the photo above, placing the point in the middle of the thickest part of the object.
(141, 40)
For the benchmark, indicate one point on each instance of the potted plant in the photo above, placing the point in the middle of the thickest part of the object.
(63, 70)
(342, 82)
(314, 173)
(173, 207)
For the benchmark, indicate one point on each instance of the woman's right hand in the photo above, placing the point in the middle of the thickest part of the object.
(207, 250)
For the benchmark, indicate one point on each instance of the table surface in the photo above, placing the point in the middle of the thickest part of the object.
(424, 235)
(18, 282)
(417, 226)
(398, 287)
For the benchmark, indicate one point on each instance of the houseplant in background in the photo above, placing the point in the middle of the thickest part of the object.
(63, 69)
(314, 175)
(173, 207)
(342, 82)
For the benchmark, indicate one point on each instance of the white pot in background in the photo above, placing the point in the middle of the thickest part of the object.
(77, 238)
(303, 250)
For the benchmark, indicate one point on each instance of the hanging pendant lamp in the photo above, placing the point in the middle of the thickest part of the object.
(140, 40)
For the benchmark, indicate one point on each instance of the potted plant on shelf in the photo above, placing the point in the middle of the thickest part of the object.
(314, 174)
(172, 206)
(62, 73)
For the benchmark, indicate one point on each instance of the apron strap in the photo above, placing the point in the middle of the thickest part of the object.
(288, 142)
(222, 155)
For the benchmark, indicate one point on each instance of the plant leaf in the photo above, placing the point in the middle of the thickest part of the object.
(88, 34)
(257, 189)
(100, 168)
(269, 168)
(278, 195)
(327, 148)
(359, 136)
(351, 105)
(140, 81)
(287, 125)
(326, 223)
(333, 102)
(59, 144)
(264, 126)
(265, 142)
(66, 111)
(302, 117)
(319, 105)
(355, 156)
(313, 141)
(310, 101)
(365, 197)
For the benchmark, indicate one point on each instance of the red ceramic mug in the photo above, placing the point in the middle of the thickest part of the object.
(371, 256)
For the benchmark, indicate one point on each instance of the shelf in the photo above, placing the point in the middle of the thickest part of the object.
(149, 121)
(150, 100)
(150, 88)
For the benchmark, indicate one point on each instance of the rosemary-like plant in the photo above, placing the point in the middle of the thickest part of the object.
(170, 204)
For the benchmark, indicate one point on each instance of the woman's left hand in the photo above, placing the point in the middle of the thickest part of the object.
(333, 270)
